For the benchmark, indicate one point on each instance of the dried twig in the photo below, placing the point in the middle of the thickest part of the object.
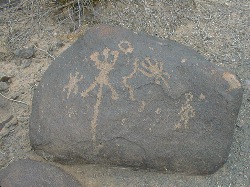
(70, 16)
(13, 100)
(79, 14)
(45, 52)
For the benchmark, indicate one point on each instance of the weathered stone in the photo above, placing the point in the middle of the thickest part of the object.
(23, 173)
(25, 52)
(26, 63)
(59, 44)
(4, 86)
(17, 62)
(4, 77)
(121, 98)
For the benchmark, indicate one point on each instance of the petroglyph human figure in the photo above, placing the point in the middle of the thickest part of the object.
(186, 113)
(72, 84)
(130, 76)
(102, 79)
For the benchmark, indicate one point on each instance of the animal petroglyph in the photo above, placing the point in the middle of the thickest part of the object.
(186, 113)
(72, 84)
(102, 80)
(154, 71)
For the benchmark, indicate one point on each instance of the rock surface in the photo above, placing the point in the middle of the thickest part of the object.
(121, 98)
(24, 173)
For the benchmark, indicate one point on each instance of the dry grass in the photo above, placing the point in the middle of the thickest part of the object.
(23, 19)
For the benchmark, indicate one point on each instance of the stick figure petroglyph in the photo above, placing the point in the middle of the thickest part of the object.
(149, 69)
(154, 71)
(72, 84)
(130, 76)
(102, 79)
(186, 113)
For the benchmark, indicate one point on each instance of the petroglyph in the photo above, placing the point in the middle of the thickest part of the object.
(183, 60)
(231, 80)
(148, 69)
(154, 71)
(158, 111)
(128, 49)
(142, 107)
(202, 97)
(102, 80)
(72, 84)
(186, 113)
(130, 76)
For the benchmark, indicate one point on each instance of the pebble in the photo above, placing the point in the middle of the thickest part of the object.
(3, 86)
(25, 52)
(59, 44)
(4, 77)
(17, 62)
(26, 63)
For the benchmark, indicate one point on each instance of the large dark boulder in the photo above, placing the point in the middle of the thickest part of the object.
(121, 98)
(30, 173)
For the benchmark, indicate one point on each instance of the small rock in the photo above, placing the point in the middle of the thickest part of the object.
(26, 63)
(50, 48)
(4, 77)
(24, 173)
(59, 44)
(16, 95)
(37, 60)
(25, 52)
(17, 62)
(3, 86)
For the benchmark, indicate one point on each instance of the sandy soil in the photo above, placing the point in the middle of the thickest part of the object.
(217, 29)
